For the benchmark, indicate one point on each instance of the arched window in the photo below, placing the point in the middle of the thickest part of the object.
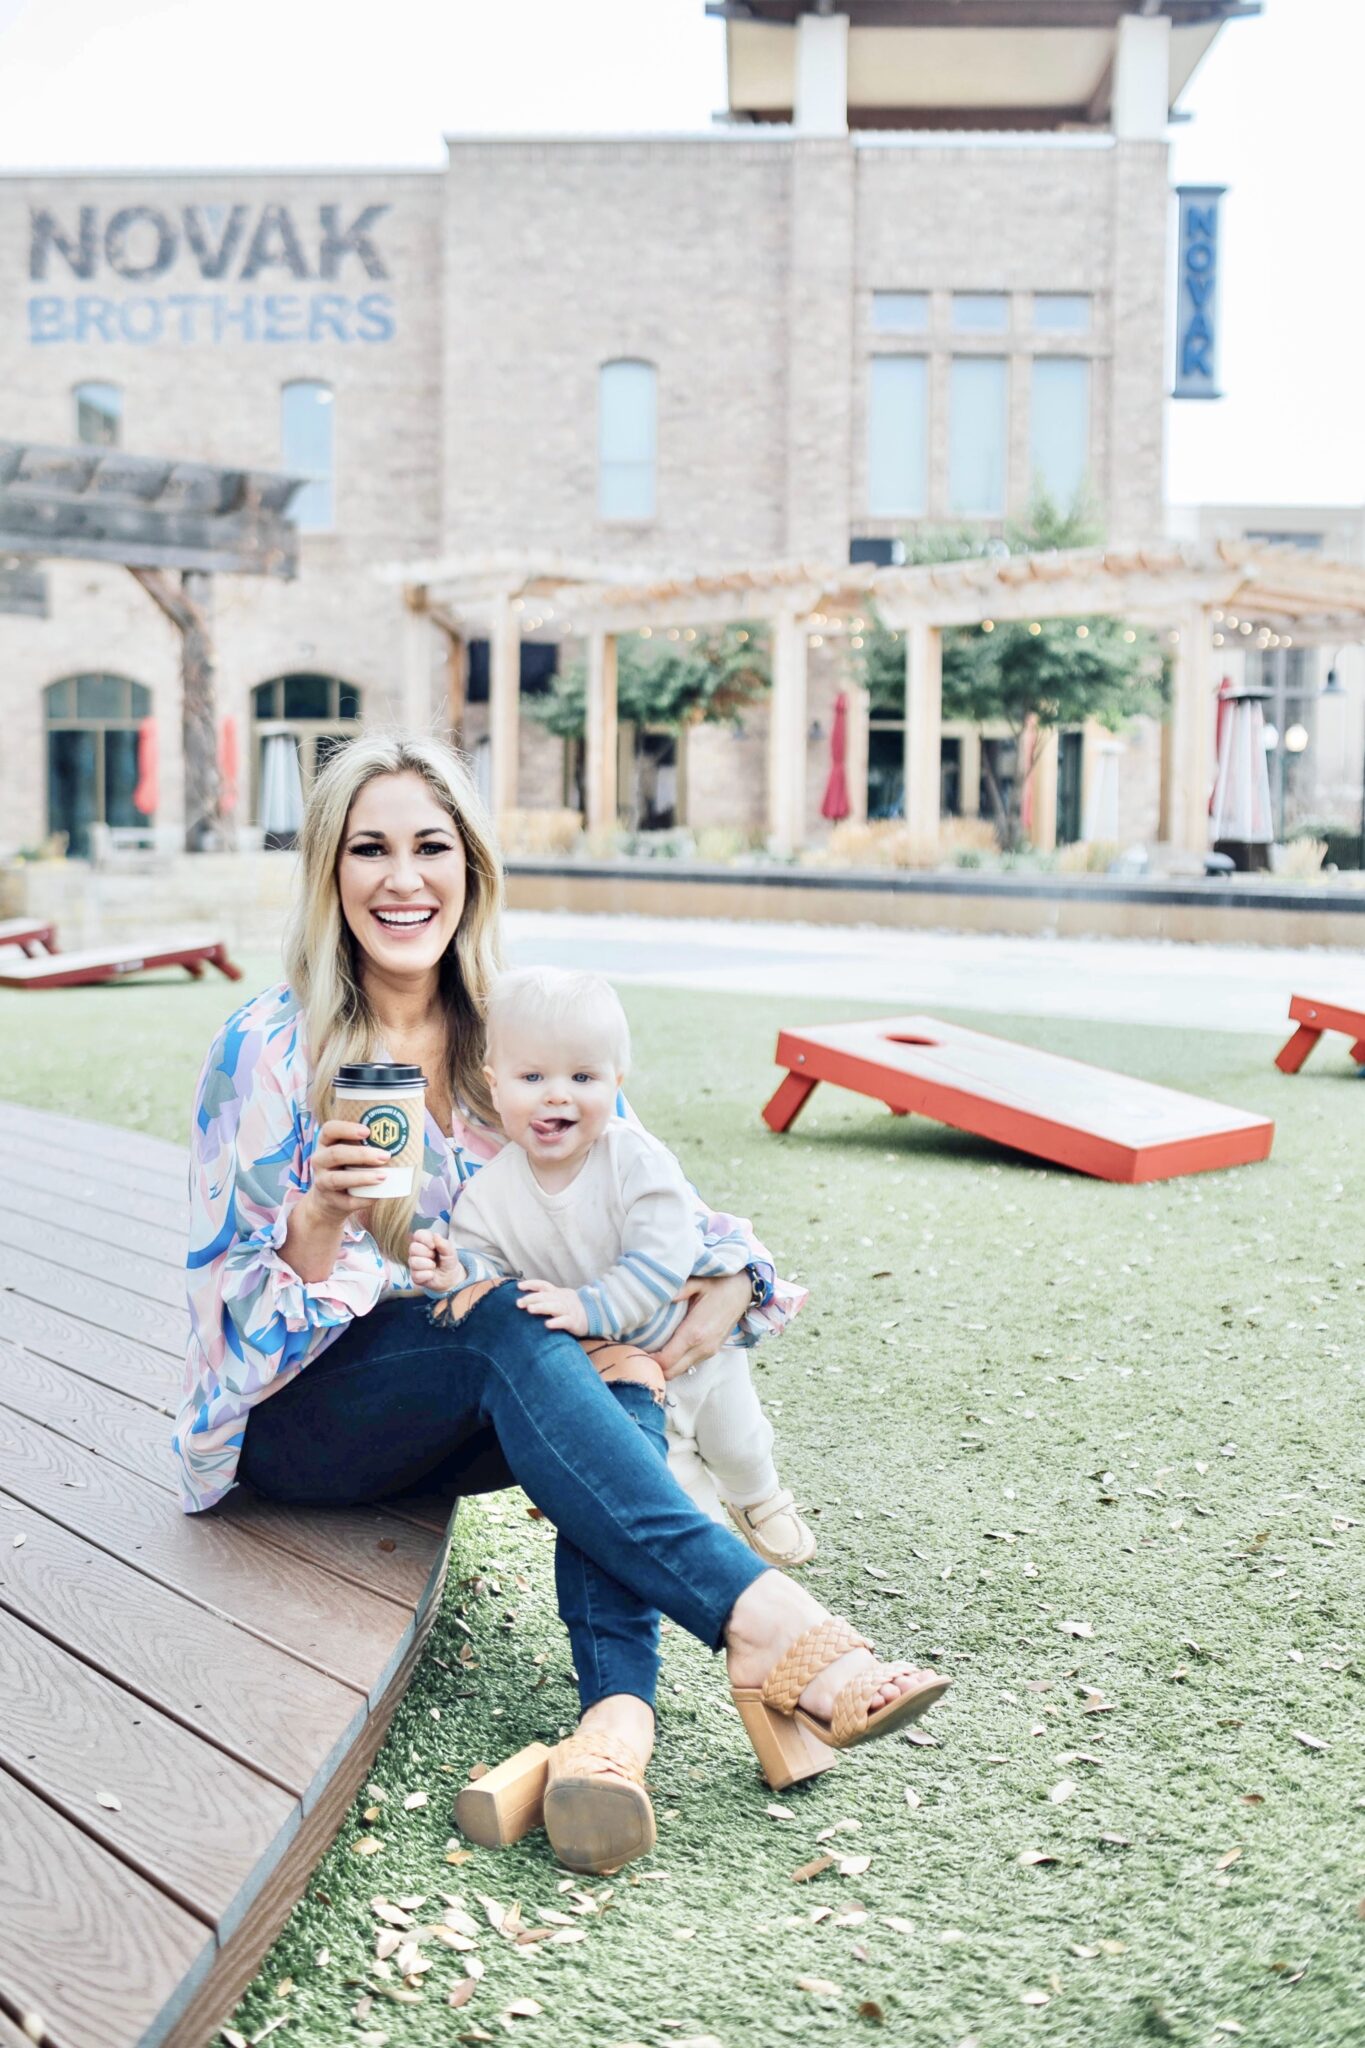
(307, 450)
(92, 755)
(99, 415)
(297, 722)
(627, 427)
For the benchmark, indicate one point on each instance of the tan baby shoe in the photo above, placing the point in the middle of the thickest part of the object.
(775, 1530)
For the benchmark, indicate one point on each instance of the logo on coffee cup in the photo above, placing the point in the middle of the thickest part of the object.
(387, 1127)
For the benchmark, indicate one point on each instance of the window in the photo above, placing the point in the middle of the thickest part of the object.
(980, 312)
(897, 464)
(900, 312)
(977, 419)
(1061, 426)
(99, 415)
(92, 755)
(298, 722)
(306, 450)
(628, 404)
(1061, 312)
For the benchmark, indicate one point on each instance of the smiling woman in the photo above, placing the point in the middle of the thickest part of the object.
(316, 1373)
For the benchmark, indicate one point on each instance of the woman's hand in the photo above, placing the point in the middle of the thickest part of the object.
(717, 1306)
(560, 1306)
(345, 1172)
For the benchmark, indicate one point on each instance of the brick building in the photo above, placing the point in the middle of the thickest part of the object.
(915, 268)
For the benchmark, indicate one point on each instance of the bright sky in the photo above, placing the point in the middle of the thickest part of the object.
(1278, 116)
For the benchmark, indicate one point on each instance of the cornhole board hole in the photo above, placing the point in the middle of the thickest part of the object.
(32, 935)
(1313, 1018)
(72, 970)
(1074, 1115)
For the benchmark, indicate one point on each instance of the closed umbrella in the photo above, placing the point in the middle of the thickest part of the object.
(228, 766)
(835, 804)
(146, 793)
(281, 787)
(1243, 822)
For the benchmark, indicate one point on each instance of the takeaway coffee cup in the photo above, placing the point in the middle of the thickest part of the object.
(390, 1102)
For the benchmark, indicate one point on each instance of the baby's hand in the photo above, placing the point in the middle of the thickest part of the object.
(433, 1262)
(560, 1306)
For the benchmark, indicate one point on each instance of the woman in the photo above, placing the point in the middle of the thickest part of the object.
(313, 1377)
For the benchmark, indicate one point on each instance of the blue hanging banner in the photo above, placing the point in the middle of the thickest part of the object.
(1196, 330)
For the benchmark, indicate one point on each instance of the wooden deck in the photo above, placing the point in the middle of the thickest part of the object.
(226, 1679)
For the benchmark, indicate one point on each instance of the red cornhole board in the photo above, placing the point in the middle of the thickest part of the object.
(71, 970)
(1079, 1116)
(32, 935)
(1313, 1019)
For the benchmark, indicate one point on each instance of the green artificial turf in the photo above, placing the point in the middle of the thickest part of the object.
(1080, 1444)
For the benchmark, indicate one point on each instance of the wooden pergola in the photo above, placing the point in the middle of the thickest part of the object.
(173, 526)
(1210, 599)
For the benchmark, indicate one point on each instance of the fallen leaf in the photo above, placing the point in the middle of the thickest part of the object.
(780, 1813)
(1035, 1998)
(899, 1926)
(870, 2010)
(477, 1771)
(109, 1799)
(854, 1866)
(1253, 1799)
(1228, 2027)
(522, 2009)
(462, 1993)
(1225, 1862)
(19, 1542)
(393, 1915)
(1309, 1741)
(1031, 1856)
(1078, 1948)
(367, 1845)
(1118, 1841)
(818, 1987)
(413, 1801)
(920, 1739)
(912, 1798)
(387, 1942)
(1062, 1791)
(812, 1869)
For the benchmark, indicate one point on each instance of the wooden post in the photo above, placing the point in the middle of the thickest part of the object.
(969, 773)
(601, 738)
(923, 729)
(504, 707)
(189, 607)
(457, 684)
(417, 660)
(787, 736)
(1046, 749)
(1192, 723)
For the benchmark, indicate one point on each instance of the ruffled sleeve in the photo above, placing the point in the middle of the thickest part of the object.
(252, 1315)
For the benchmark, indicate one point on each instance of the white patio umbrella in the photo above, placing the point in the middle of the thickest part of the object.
(281, 807)
(1242, 812)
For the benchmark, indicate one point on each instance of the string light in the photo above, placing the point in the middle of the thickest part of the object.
(856, 641)
(1231, 621)
(672, 632)
(1082, 632)
(987, 626)
(857, 624)
(1245, 626)
(741, 637)
(1218, 619)
(518, 604)
(1130, 636)
(1034, 626)
(1217, 639)
(645, 633)
(817, 640)
(689, 633)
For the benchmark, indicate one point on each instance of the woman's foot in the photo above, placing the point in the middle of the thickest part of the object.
(769, 1616)
(597, 1811)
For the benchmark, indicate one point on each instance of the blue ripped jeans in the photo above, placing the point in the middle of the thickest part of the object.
(400, 1402)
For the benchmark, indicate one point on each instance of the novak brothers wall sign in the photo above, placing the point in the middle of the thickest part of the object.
(269, 274)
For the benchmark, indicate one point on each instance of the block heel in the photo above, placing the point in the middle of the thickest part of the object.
(506, 1802)
(786, 1753)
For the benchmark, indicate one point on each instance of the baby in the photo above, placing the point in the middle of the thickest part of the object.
(596, 1220)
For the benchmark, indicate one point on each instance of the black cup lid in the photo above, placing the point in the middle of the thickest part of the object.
(378, 1074)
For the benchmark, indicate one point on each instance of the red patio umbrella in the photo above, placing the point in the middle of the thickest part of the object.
(834, 804)
(227, 766)
(145, 795)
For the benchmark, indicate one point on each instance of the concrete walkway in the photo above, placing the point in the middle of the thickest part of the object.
(1216, 988)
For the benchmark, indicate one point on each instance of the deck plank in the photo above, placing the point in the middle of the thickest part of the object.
(94, 1258)
(62, 1178)
(111, 1172)
(161, 1241)
(84, 1349)
(189, 1819)
(337, 1628)
(251, 1700)
(48, 1126)
(88, 1944)
(108, 1307)
(366, 1545)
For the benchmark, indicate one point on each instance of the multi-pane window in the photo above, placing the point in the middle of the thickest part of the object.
(1061, 312)
(897, 437)
(981, 312)
(627, 434)
(900, 312)
(978, 412)
(1060, 429)
(92, 755)
(298, 722)
(307, 449)
(99, 415)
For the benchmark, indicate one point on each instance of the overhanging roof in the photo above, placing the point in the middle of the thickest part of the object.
(102, 505)
(960, 63)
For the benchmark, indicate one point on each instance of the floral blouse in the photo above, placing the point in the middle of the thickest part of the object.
(254, 1324)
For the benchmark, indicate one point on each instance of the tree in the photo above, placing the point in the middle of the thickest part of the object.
(1032, 676)
(664, 682)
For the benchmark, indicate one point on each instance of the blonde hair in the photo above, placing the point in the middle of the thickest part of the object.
(320, 950)
(559, 999)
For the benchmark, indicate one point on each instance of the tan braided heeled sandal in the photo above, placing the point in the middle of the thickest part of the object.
(781, 1731)
(597, 1811)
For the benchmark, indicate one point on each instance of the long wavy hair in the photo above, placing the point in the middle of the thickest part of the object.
(321, 954)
